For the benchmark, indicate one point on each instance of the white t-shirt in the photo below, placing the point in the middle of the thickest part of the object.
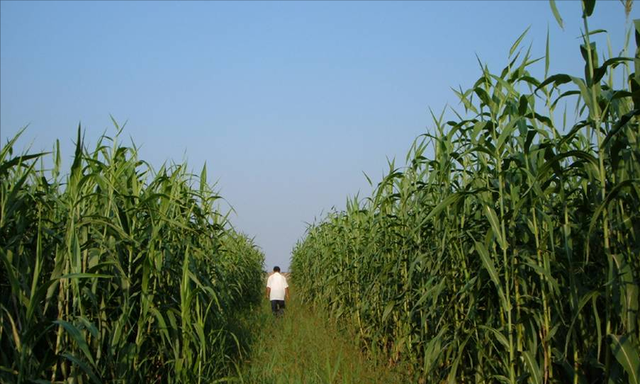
(278, 284)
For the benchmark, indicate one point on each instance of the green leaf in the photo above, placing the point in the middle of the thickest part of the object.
(534, 368)
(547, 57)
(556, 14)
(453, 378)
(82, 366)
(629, 293)
(610, 196)
(449, 200)
(506, 133)
(493, 274)
(627, 356)
(387, 310)
(203, 178)
(555, 161)
(498, 335)
(433, 350)
(556, 80)
(76, 335)
(585, 93)
(14, 330)
(577, 313)
(622, 122)
(76, 166)
(596, 31)
(18, 160)
(515, 45)
(550, 280)
(506, 85)
(491, 215)
(563, 95)
(588, 5)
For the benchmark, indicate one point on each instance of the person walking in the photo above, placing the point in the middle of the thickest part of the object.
(277, 291)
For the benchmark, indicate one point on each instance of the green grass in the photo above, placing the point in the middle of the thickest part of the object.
(304, 347)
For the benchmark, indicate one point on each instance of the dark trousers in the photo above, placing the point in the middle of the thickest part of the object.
(277, 307)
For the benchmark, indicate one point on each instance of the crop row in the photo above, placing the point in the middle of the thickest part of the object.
(115, 272)
(508, 248)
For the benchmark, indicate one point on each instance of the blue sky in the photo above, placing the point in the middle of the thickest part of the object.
(288, 103)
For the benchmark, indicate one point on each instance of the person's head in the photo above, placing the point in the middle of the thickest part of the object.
(276, 269)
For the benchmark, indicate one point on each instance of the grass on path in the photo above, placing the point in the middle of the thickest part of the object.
(303, 347)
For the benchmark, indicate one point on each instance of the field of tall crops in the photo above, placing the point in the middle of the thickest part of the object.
(113, 272)
(508, 247)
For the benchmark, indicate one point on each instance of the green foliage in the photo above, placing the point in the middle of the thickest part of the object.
(512, 254)
(118, 273)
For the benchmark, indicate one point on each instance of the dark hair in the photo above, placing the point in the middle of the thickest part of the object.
(276, 269)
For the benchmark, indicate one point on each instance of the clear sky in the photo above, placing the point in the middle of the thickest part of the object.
(288, 103)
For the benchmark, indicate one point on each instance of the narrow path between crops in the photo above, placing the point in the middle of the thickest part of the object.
(302, 347)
